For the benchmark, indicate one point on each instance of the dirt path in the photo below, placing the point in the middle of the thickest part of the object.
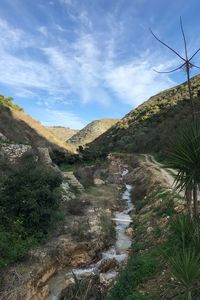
(167, 174)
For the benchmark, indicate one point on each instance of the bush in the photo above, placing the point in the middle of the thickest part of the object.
(80, 230)
(77, 206)
(29, 202)
(183, 254)
(185, 267)
(8, 101)
(182, 231)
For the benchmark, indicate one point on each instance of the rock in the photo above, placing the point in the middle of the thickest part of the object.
(106, 279)
(80, 258)
(44, 156)
(65, 186)
(149, 229)
(14, 151)
(130, 232)
(98, 181)
(69, 279)
(179, 208)
(108, 265)
(3, 138)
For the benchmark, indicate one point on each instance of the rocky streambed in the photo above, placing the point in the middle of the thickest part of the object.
(107, 267)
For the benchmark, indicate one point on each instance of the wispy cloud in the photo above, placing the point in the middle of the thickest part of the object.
(136, 81)
(57, 118)
(89, 68)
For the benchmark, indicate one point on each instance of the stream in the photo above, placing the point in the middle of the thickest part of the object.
(118, 251)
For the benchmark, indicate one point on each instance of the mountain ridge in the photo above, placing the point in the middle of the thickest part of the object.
(150, 126)
(91, 131)
(64, 133)
(19, 127)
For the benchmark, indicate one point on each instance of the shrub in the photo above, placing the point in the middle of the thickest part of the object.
(182, 230)
(185, 267)
(29, 202)
(8, 101)
(80, 230)
(77, 206)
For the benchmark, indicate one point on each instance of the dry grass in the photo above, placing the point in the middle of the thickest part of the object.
(62, 132)
(20, 127)
(103, 196)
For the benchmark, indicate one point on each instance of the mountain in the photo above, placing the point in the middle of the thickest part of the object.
(91, 131)
(151, 126)
(19, 127)
(63, 133)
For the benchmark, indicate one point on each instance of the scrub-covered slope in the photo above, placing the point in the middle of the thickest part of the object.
(93, 130)
(150, 127)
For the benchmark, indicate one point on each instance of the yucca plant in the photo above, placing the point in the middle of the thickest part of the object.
(184, 157)
(185, 268)
(183, 231)
(195, 243)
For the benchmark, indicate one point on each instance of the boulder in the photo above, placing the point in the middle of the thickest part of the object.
(108, 265)
(130, 232)
(98, 181)
(3, 138)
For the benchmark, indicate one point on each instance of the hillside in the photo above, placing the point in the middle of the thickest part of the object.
(19, 127)
(90, 132)
(63, 133)
(151, 126)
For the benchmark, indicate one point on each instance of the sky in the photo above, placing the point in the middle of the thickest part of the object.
(68, 62)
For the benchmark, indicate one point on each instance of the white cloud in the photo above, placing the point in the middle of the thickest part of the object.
(136, 81)
(43, 30)
(86, 69)
(64, 118)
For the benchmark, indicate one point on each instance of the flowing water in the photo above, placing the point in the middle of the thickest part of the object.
(118, 251)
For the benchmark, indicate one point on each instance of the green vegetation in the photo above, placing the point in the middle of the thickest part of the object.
(151, 126)
(184, 158)
(66, 167)
(8, 101)
(29, 202)
(139, 268)
(80, 230)
(91, 131)
(183, 248)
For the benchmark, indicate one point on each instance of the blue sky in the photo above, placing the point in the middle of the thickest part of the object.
(68, 62)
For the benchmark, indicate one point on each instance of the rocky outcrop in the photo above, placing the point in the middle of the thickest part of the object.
(73, 181)
(13, 151)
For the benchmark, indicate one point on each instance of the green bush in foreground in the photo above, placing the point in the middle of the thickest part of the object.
(183, 255)
(185, 267)
(29, 202)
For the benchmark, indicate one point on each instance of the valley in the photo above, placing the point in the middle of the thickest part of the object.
(92, 218)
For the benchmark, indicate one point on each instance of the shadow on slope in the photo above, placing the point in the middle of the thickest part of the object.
(21, 128)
